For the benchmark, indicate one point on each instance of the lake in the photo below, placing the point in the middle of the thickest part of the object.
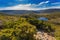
(43, 18)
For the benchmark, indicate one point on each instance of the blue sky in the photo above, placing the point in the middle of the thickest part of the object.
(28, 4)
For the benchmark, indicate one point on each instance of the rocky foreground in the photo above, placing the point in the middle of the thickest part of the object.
(43, 36)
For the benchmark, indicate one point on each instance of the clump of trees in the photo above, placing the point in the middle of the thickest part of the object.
(42, 25)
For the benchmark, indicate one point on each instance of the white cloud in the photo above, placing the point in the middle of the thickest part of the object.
(27, 7)
(54, 7)
(47, 1)
(41, 3)
(20, 7)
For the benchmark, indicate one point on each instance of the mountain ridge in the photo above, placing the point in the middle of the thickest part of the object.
(29, 11)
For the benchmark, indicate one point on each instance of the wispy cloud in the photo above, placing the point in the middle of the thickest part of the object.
(47, 1)
(41, 3)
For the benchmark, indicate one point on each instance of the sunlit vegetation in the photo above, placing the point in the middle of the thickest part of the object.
(23, 27)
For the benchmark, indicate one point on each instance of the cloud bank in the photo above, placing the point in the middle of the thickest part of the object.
(20, 7)
(30, 6)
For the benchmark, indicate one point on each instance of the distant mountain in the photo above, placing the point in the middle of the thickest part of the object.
(48, 11)
(15, 11)
(29, 11)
